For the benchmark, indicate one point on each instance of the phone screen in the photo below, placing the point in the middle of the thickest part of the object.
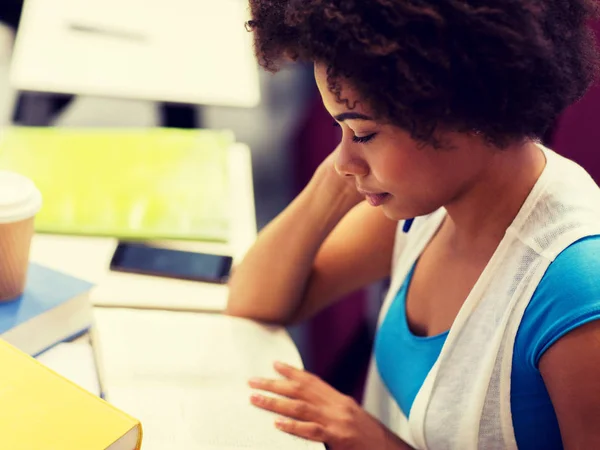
(143, 259)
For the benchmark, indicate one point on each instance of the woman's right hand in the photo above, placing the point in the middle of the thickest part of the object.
(335, 185)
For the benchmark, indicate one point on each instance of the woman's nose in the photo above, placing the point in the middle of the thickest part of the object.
(348, 163)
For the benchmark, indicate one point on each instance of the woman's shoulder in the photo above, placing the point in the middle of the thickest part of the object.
(568, 296)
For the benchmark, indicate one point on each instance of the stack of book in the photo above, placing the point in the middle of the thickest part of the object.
(40, 408)
(126, 184)
(54, 308)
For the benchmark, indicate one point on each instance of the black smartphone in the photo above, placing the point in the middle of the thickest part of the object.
(161, 262)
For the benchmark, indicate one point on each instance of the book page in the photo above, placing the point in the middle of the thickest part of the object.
(215, 416)
(184, 375)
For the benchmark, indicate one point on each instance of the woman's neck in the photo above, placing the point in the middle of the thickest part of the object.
(478, 219)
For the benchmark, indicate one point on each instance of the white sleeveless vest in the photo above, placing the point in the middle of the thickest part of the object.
(464, 403)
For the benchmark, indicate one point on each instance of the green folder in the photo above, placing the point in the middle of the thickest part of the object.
(130, 184)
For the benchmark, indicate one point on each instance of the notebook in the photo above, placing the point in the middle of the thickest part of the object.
(131, 184)
(42, 410)
(147, 292)
(55, 307)
(185, 376)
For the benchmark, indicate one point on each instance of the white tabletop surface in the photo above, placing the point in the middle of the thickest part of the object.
(188, 51)
(89, 257)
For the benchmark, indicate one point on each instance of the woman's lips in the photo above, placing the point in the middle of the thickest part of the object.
(375, 199)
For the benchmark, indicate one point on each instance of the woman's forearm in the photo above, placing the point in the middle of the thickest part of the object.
(270, 282)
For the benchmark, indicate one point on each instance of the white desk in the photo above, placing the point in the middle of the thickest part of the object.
(187, 51)
(89, 258)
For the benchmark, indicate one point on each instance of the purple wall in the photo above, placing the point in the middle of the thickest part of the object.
(577, 133)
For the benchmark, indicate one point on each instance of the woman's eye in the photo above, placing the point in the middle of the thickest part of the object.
(363, 139)
(358, 139)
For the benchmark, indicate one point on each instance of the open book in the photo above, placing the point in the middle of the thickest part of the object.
(185, 376)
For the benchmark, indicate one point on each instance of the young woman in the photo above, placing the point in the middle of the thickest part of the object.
(489, 337)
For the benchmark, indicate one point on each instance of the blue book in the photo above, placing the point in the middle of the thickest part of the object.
(54, 308)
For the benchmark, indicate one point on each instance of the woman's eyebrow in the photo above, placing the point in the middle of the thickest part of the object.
(352, 116)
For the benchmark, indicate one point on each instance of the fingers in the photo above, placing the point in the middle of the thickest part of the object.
(289, 372)
(287, 388)
(296, 409)
(297, 384)
(307, 430)
(311, 387)
(308, 407)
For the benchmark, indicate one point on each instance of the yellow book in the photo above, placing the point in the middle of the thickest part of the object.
(43, 411)
(130, 184)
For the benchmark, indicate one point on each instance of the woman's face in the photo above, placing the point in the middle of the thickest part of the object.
(404, 178)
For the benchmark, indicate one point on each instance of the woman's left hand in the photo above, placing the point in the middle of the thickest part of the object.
(313, 410)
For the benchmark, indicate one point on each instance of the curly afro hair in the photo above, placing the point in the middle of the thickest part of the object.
(505, 68)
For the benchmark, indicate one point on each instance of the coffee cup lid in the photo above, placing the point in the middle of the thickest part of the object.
(19, 197)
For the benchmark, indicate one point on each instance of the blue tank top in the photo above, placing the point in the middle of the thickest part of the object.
(567, 297)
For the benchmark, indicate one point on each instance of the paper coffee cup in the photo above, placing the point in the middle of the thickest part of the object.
(20, 201)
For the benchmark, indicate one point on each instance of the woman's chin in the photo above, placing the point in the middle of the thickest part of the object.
(394, 214)
(397, 213)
